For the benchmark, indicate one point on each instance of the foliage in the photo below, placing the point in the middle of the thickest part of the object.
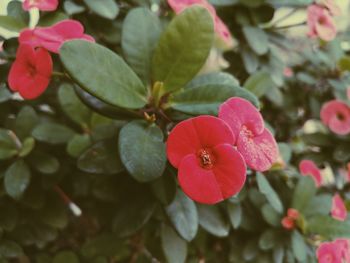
(96, 138)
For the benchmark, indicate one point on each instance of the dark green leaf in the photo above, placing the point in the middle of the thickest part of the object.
(235, 214)
(142, 150)
(72, 106)
(174, 247)
(269, 239)
(140, 35)
(103, 74)
(66, 257)
(101, 158)
(250, 250)
(17, 179)
(259, 83)
(44, 162)
(10, 249)
(11, 23)
(27, 147)
(26, 120)
(164, 188)
(78, 144)
(53, 133)
(269, 192)
(298, 246)
(211, 219)
(271, 216)
(257, 39)
(184, 216)
(303, 193)
(183, 48)
(328, 227)
(8, 147)
(105, 8)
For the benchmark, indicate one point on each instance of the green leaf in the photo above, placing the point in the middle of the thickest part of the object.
(5, 94)
(183, 48)
(78, 144)
(223, 2)
(250, 60)
(55, 214)
(164, 188)
(142, 150)
(269, 239)
(213, 221)
(53, 133)
(8, 147)
(11, 23)
(101, 158)
(17, 179)
(303, 193)
(10, 249)
(15, 10)
(250, 250)
(278, 254)
(140, 35)
(174, 247)
(183, 214)
(328, 227)
(269, 192)
(299, 246)
(319, 205)
(103, 74)
(105, 8)
(271, 216)
(26, 120)
(235, 214)
(257, 39)
(44, 162)
(27, 147)
(259, 83)
(132, 215)
(206, 99)
(66, 257)
(252, 3)
(72, 106)
(72, 8)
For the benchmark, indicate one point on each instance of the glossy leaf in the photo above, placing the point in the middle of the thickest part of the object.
(211, 219)
(8, 147)
(142, 150)
(17, 179)
(269, 192)
(174, 247)
(303, 193)
(183, 48)
(53, 133)
(103, 74)
(105, 8)
(257, 39)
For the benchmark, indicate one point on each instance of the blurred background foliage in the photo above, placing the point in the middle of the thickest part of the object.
(61, 149)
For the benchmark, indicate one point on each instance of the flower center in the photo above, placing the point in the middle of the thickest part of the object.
(206, 159)
(322, 20)
(31, 70)
(340, 116)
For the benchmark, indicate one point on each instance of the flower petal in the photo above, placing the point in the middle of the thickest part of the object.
(308, 167)
(194, 134)
(259, 152)
(210, 186)
(338, 211)
(237, 112)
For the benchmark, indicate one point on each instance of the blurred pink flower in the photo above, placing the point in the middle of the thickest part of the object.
(320, 23)
(308, 167)
(288, 72)
(53, 37)
(288, 223)
(221, 29)
(328, 252)
(43, 5)
(333, 8)
(343, 246)
(348, 92)
(338, 208)
(336, 115)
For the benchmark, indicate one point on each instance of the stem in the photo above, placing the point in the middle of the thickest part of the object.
(289, 26)
(59, 75)
(15, 139)
(72, 206)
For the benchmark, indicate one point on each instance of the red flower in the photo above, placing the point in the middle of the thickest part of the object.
(338, 211)
(30, 73)
(43, 5)
(336, 115)
(293, 213)
(210, 169)
(288, 222)
(308, 167)
(320, 23)
(256, 144)
(52, 38)
(221, 29)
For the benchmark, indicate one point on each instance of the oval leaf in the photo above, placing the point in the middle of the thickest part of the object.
(174, 247)
(17, 179)
(213, 221)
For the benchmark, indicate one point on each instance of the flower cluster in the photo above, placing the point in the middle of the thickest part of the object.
(221, 29)
(320, 20)
(337, 251)
(289, 221)
(31, 72)
(336, 115)
(211, 153)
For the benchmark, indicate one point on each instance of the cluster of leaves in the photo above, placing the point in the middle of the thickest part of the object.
(97, 137)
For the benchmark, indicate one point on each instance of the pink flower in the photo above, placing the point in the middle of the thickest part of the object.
(348, 92)
(328, 252)
(332, 7)
(336, 115)
(53, 37)
(209, 168)
(288, 223)
(43, 5)
(320, 23)
(288, 72)
(293, 213)
(221, 29)
(30, 73)
(338, 208)
(308, 167)
(256, 144)
(343, 245)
